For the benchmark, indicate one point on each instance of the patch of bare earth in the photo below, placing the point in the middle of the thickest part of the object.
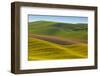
(54, 39)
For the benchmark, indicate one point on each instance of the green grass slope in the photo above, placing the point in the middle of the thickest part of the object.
(45, 50)
(76, 32)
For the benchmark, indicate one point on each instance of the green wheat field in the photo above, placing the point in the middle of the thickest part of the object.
(49, 40)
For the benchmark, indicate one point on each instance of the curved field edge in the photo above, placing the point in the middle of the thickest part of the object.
(45, 50)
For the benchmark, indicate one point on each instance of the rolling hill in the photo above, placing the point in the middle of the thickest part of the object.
(49, 40)
(76, 32)
(44, 50)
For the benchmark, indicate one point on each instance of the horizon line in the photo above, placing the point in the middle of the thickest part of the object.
(58, 22)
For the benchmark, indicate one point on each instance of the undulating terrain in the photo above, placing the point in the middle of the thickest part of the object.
(49, 40)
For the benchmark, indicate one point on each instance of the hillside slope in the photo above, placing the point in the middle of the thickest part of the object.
(55, 40)
(44, 50)
(76, 32)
